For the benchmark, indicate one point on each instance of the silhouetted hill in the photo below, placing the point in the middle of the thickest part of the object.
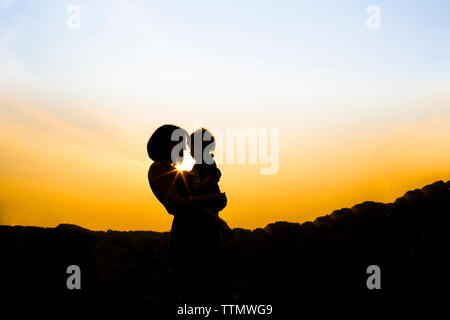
(409, 239)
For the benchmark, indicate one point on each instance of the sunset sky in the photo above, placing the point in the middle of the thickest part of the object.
(363, 114)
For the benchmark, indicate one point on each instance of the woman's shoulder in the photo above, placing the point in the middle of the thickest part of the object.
(160, 179)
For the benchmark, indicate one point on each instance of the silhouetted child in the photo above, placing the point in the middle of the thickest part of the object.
(204, 176)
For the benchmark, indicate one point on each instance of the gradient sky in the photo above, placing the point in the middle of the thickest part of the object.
(363, 114)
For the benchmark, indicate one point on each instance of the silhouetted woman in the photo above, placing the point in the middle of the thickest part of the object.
(194, 242)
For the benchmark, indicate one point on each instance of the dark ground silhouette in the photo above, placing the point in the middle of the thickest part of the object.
(325, 259)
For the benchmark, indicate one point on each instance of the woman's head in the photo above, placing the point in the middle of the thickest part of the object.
(167, 144)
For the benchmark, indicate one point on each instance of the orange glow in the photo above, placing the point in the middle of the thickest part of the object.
(53, 172)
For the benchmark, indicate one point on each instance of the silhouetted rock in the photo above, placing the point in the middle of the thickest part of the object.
(71, 227)
(409, 239)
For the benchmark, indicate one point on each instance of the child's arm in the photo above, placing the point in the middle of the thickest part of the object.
(198, 182)
(212, 178)
(205, 182)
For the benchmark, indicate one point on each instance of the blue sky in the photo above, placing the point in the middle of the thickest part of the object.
(301, 56)
(245, 36)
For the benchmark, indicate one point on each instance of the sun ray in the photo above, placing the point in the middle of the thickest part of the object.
(183, 177)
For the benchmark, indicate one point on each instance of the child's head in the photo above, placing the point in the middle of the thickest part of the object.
(202, 140)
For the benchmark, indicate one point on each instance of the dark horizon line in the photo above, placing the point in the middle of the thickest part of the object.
(316, 220)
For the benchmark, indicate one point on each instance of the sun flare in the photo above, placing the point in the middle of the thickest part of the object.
(186, 165)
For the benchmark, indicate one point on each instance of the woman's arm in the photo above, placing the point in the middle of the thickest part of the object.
(212, 178)
(205, 182)
(196, 202)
